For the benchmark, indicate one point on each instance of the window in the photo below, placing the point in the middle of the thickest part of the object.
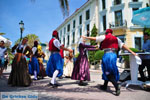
(68, 28)
(135, 0)
(64, 31)
(60, 33)
(73, 37)
(87, 14)
(73, 51)
(64, 41)
(103, 4)
(138, 41)
(80, 19)
(122, 38)
(74, 24)
(118, 18)
(116, 2)
(104, 22)
(134, 9)
(68, 40)
(88, 29)
(80, 32)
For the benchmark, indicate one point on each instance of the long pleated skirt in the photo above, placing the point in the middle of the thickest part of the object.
(109, 65)
(55, 63)
(34, 66)
(19, 75)
(81, 69)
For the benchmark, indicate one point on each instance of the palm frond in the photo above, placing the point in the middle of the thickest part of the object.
(64, 7)
(2, 33)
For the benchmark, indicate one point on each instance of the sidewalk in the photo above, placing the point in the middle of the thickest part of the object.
(70, 90)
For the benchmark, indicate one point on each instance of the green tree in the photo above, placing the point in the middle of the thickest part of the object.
(31, 39)
(93, 34)
(147, 30)
(2, 33)
(98, 55)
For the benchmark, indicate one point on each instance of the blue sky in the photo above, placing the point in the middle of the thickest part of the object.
(40, 17)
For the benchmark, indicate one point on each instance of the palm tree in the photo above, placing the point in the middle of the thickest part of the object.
(2, 33)
(64, 6)
(31, 39)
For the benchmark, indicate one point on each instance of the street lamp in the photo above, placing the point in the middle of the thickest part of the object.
(21, 28)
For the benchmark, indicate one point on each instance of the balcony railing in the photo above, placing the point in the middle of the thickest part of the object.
(115, 24)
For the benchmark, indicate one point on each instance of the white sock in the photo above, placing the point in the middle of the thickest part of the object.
(35, 74)
(53, 81)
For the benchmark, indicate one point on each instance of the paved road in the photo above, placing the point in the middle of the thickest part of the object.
(70, 90)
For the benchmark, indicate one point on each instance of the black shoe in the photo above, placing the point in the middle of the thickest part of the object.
(60, 77)
(67, 77)
(148, 79)
(118, 90)
(83, 84)
(102, 87)
(53, 85)
(35, 79)
(143, 79)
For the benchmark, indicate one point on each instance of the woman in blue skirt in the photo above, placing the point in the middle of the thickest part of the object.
(33, 63)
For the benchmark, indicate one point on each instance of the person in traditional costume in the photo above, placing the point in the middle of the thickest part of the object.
(40, 57)
(62, 56)
(33, 63)
(62, 53)
(81, 68)
(68, 68)
(110, 45)
(19, 75)
(55, 65)
(3, 51)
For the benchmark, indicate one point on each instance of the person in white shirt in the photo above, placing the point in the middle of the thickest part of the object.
(2, 58)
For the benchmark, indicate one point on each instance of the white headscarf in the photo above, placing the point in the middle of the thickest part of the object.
(81, 41)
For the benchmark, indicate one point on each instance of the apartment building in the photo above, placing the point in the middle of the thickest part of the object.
(114, 14)
(117, 14)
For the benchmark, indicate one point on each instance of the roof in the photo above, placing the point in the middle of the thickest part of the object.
(6, 41)
(76, 11)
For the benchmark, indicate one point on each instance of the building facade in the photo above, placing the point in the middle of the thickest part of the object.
(114, 14)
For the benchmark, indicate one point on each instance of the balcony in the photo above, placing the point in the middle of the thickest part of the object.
(117, 2)
(135, 4)
(118, 24)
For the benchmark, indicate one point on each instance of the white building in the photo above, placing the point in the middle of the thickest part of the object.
(115, 14)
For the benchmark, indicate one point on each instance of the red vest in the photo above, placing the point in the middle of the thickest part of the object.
(62, 53)
(52, 46)
(110, 41)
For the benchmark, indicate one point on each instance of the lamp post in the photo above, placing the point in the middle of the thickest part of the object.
(21, 28)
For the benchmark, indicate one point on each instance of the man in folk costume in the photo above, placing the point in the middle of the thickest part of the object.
(110, 45)
(55, 65)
